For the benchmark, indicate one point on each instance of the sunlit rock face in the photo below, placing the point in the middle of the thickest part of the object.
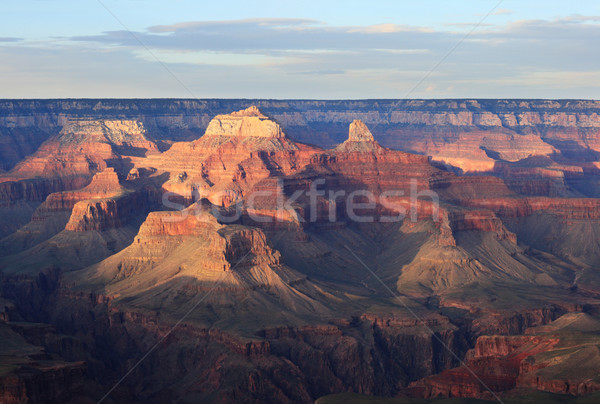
(360, 139)
(83, 147)
(237, 151)
(248, 122)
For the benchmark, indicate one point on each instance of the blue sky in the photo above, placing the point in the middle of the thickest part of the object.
(309, 49)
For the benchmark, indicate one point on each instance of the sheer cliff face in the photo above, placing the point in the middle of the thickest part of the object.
(116, 238)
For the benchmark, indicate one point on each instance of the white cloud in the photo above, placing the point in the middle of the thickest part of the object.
(261, 22)
(388, 29)
(500, 11)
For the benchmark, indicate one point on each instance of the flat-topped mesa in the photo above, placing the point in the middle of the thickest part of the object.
(117, 132)
(249, 122)
(82, 148)
(360, 139)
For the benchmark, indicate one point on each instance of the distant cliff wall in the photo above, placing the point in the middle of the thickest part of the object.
(424, 126)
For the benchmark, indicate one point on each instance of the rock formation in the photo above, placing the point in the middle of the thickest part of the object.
(359, 139)
(248, 122)
(236, 152)
(82, 148)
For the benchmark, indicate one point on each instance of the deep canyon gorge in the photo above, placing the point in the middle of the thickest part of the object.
(139, 229)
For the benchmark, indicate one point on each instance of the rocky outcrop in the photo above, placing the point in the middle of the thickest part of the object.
(189, 222)
(111, 212)
(98, 215)
(480, 220)
(502, 363)
(90, 207)
(246, 247)
(358, 132)
(237, 151)
(82, 148)
(360, 139)
(248, 122)
(53, 214)
(103, 184)
(126, 135)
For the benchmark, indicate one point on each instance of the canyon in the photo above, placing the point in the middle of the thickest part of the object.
(286, 251)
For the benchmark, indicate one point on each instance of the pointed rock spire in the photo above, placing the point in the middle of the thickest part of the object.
(359, 132)
(360, 139)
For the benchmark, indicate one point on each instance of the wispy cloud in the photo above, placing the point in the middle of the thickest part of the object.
(582, 18)
(248, 22)
(265, 35)
(307, 58)
(10, 39)
(467, 24)
(500, 11)
(388, 29)
(322, 72)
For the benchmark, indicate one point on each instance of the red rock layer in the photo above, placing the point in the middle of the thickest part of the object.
(247, 247)
(480, 220)
(104, 184)
(185, 223)
(100, 214)
(567, 208)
